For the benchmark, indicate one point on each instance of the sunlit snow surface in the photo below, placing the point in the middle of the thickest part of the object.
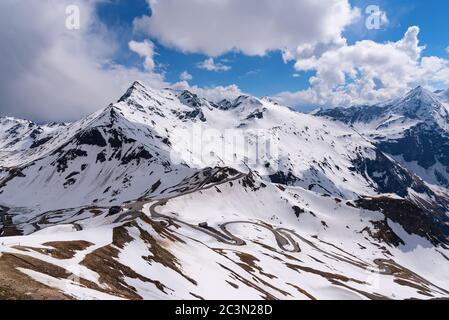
(191, 227)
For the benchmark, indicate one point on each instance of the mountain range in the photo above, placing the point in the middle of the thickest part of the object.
(166, 195)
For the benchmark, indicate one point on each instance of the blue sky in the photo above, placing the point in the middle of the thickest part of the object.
(269, 75)
(260, 76)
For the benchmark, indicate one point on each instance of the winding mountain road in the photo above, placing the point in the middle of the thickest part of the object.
(283, 239)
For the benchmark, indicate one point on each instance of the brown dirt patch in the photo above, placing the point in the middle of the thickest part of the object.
(112, 273)
(15, 285)
(67, 249)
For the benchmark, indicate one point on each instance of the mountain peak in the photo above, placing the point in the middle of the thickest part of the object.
(247, 100)
(422, 104)
(419, 93)
(190, 99)
(270, 100)
(136, 88)
(225, 104)
(130, 91)
(138, 85)
(13, 120)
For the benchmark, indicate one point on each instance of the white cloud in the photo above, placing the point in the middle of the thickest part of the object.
(214, 94)
(447, 49)
(50, 73)
(144, 49)
(296, 75)
(253, 27)
(368, 72)
(410, 43)
(210, 65)
(434, 71)
(185, 76)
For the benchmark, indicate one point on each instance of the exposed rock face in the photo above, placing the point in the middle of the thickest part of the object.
(413, 219)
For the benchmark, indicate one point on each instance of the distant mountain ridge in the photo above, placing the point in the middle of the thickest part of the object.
(414, 129)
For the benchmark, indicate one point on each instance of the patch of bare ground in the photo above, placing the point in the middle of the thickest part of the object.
(339, 257)
(8, 269)
(163, 230)
(406, 277)
(315, 259)
(355, 259)
(327, 275)
(196, 296)
(265, 295)
(65, 249)
(371, 296)
(272, 256)
(61, 250)
(250, 267)
(104, 262)
(267, 247)
(160, 254)
(332, 255)
(339, 280)
(15, 285)
(302, 291)
(232, 284)
(249, 264)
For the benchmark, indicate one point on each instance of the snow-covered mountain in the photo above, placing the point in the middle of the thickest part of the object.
(167, 195)
(413, 129)
(20, 135)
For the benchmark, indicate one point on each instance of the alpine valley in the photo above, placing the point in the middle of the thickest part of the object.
(151, 198)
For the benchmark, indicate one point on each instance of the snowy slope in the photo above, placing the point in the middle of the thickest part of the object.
(414, 129)
(262, 241)
(115, 154)
(165, 195)
(17, 136)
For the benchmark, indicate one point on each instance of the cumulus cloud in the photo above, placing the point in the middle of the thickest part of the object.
(50, 73)
(185, 76)
(144, 49)
(368, 72)
(434, 71)
(253, 27)
(214, 94)
(313, 49)
(210, 65)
